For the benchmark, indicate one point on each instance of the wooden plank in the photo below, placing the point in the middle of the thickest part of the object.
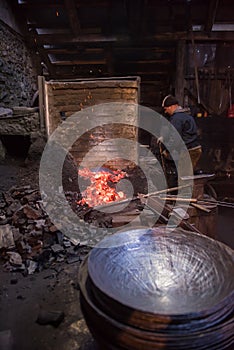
(73, 50)
(211, 14)
(83, 38)
(135, 14)
(92, 84)
(41, 83)
(34, 37)
(144, 49)
(180, 71)
(80, 62)
(72, 96)
(37, 4)
(98, 38)
(73, 16)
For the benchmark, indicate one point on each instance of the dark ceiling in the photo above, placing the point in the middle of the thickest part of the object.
(101, 38)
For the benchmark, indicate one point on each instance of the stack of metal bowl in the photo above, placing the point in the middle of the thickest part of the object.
(159, 289)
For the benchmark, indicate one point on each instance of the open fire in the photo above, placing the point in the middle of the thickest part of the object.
(102, 189)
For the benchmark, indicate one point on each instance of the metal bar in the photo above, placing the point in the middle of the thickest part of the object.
(166, 190)
(201, 207)
(192, 200)
(140, 196)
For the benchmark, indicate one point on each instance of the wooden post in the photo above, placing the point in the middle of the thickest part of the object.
(41, 81)
(180, 72)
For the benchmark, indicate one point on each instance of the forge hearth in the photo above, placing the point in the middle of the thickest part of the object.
(63, 99)
(103, 187)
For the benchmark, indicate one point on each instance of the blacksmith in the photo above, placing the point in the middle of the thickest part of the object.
(186, 126)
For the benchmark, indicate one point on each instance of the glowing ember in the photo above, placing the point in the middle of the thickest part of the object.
(99, 192)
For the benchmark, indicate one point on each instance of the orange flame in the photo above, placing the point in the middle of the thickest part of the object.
(99, 192)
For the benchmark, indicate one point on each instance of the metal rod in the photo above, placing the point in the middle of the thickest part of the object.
(166, 190)
(162, 158)
(139, 196)
(201, 207)
(192, 200)
(195, 69)
(221, 204)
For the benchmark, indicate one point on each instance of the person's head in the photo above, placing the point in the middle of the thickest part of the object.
(169, 104)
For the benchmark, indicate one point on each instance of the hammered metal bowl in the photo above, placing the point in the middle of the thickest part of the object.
(159, 289)
(163, 272)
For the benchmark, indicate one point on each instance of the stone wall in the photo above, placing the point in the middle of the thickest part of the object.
(18, 73)
(20, 124)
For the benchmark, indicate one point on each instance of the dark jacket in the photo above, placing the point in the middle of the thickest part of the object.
(186, 127)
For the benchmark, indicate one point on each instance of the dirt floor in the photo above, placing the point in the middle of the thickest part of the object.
(42, 310)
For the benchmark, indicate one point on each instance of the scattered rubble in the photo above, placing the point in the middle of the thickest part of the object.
(29, 241)
(6, 236)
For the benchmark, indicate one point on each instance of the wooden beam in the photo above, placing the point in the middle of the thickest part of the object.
(41, 86)
(211, 75)
(140, 62)
(37, 4)
(145, 49)
(86, 3)
(34, 42)
(84, 71)
(213, 5)
(180, 71)
(117, 39)
(79, 62)
(43, 24)
(166, 67)
(84, 38)
(149, 83)
(73, 16)
(152, 75)
(213, 36)
(72, 73)
(65, 51)
(135, 10)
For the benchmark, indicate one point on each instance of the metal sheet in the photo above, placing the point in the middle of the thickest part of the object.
(163, 272)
